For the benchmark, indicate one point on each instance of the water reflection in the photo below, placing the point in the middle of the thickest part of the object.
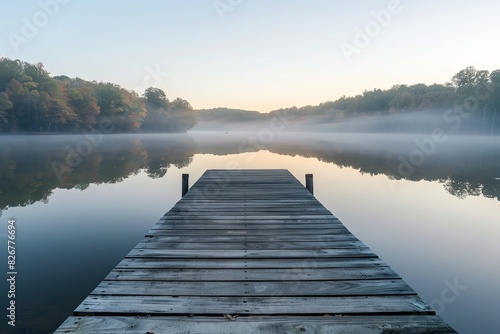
(31, 167)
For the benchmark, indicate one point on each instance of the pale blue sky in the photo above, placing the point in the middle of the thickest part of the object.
(253, 54)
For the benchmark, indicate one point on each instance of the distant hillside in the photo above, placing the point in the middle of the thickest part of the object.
(467, 104)
(33, 101)
(228, 115)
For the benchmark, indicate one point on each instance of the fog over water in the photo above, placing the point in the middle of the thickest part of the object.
(416, 199)
(464, 164)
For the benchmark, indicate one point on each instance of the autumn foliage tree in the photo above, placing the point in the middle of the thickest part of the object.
(33, 101)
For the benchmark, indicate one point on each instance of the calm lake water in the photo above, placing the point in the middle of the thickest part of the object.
(430, 209)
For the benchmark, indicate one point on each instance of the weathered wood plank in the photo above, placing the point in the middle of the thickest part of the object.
(330, 263)
(247, 227)
(255, 209)
(382, 324)
(186, 238)
(227, 224)
(240, 232)
(245, 206)
(164, 305)
(248, 202)
(254, 215)
(250, 212)
(287, 287)
(246, 274)
(319, 229)
(246, 220)
(152, 243)
(256, 203)
(277, 254)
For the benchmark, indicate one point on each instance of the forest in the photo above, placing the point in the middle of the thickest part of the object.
(470, 89)
(471, 101)
(33, 101)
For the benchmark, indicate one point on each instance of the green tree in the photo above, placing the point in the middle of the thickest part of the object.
(17, 94)
(119, 106)
(82, 97)
(156, 98)
(183, 114)
(9, 69)
(165, 116)
(402, 102)
(494, 99)
(135, 111)
(5, 105)
(467, 80)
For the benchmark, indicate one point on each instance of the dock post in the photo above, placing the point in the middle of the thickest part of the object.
(309, 183)
(185, 184)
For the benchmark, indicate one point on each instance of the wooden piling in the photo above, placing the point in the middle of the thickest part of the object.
(185, 184)
(309, 183)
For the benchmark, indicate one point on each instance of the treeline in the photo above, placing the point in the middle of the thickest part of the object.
(398, 99)
(474, 91)
(33, 101)
(473, 95)
(231, 115)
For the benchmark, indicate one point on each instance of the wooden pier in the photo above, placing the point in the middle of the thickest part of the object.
(252, 251)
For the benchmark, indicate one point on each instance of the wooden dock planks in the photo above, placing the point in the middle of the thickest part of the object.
(257, 247)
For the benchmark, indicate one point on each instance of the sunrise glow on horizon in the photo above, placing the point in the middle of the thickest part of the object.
(255, 55)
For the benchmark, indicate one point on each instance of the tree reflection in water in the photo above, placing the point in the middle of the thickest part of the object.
(28, 175)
